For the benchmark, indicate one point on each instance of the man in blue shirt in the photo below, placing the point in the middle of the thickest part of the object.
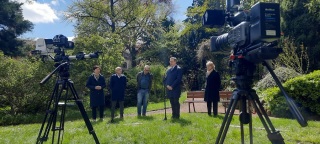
(144, 82)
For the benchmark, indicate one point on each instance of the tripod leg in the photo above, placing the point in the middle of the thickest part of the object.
(83, 112)
(52, 112)
(227, 119)
(41, 138)
(241, 124)
(244, 117)
(56, 105)
(250, 124)
(63, 112)
(273, 135)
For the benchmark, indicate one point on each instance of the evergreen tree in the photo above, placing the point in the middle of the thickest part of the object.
(12, 25)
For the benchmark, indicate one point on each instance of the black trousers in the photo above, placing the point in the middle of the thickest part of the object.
(113, 108)
(94, 111)
(175, 105)
(215, 107)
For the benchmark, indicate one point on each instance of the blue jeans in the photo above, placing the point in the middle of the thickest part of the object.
(143, 95)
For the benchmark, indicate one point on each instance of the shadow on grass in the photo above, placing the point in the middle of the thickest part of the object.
(149, 118)
(181, 121)
(115, 121)
(219, 117)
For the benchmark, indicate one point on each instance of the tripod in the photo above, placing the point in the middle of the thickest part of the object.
(244, 93)
(51, 120)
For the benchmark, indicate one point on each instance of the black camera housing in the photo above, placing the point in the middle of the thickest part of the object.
(60, 41)
(261, 24)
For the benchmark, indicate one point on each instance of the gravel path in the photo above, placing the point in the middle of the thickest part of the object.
(184, 108)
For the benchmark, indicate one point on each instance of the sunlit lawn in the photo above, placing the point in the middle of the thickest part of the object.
(191, 128)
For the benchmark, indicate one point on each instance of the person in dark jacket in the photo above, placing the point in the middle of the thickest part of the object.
(118, 83)
(144, 82)
(213, 84)
(96, 83)
(172, 82)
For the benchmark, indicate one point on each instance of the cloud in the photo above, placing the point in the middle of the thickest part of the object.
(58, 2)
(54, 2)
(70, 38)
(38, 12)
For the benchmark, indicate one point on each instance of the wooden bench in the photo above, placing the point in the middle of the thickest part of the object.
(225, 97)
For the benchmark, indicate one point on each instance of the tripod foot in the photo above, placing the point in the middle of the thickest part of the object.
(276, 138)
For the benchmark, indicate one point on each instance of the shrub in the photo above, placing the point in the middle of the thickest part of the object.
(19, 85)
(156, 93)
(157, 90)
(282, 73)
(275, 102)
(303, 89)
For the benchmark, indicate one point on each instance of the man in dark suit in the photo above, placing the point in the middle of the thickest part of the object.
(172, 82)
(118, 83)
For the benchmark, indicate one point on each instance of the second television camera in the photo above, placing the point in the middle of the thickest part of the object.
(252, 39)
(253, 32)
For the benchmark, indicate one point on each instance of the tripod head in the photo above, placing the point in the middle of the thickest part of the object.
(63, 63)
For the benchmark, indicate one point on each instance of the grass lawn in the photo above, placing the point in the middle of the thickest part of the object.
(191, 128)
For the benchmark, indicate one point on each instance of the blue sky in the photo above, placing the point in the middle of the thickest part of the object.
(47, 17)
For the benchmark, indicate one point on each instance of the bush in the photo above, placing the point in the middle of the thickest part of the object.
(19, 85)
(275, 103)
(282, 73)
(303, 89)
(130, 98)
(157, 90)
(156, 93)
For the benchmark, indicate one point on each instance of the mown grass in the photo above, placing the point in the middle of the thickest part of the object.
(73, 113)
(191, 128)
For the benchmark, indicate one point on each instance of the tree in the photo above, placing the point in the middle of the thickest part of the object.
(132, 20)
(12, 25)
(302, 24)
(190, 38)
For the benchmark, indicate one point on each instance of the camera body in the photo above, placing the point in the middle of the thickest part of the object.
(48, 48)
(54, 50)
(257, 27)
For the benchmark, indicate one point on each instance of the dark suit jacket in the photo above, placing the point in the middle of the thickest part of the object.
(173, 78)
(96, 96)
(213, 84)
(118, 87)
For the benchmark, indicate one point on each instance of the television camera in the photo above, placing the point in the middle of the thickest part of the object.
(253, 31)
(54, 120)
(54, 49)
(252, 39)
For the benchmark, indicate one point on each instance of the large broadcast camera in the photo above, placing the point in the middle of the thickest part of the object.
(54, 120)
(253, 32)
(251, 40)
(54, 49)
